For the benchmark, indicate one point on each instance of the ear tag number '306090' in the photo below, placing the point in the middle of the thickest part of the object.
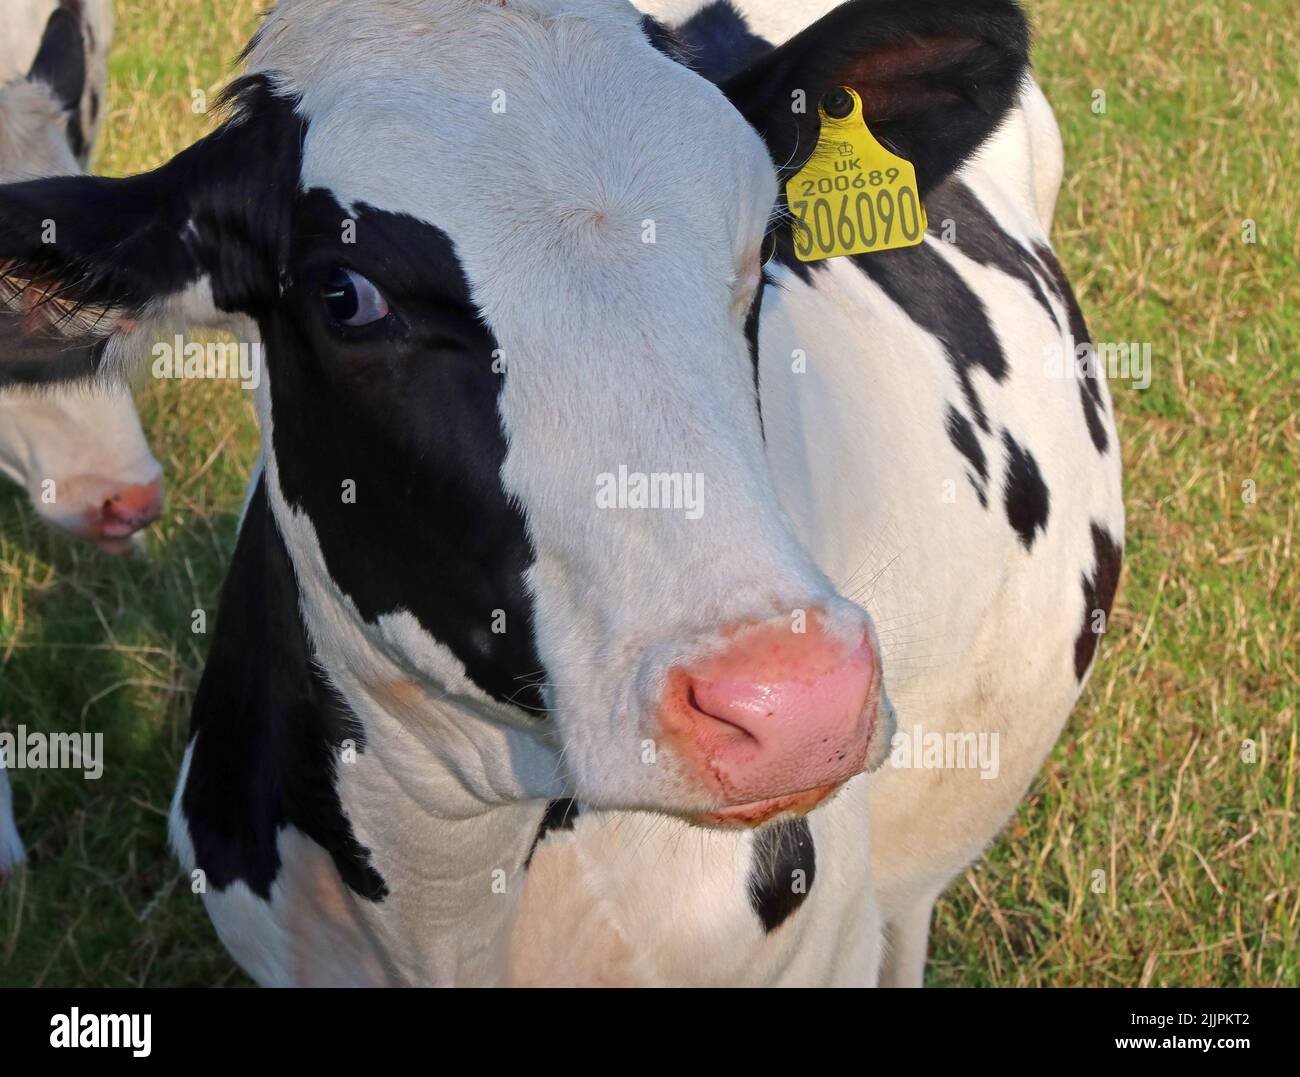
(853, 196)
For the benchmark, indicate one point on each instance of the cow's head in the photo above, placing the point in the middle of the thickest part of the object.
(78, 451)
(505, 260)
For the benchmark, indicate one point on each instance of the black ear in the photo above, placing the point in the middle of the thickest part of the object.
(935, 79)
(61, 60)
(81, 260)
(88, 262)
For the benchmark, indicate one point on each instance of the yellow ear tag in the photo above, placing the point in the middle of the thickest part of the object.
(853, 196)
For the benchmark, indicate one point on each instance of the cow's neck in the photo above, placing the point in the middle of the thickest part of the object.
(425, 814)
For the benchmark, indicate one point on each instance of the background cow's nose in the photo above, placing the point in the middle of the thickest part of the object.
(777, 712)
(128, 509)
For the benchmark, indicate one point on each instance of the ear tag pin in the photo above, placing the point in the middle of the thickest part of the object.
(853, 196)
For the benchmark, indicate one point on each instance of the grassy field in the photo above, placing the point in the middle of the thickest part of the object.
(1199, 850)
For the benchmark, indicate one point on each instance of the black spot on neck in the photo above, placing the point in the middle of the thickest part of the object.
(270, 731)
(560, 815)
(782, 872)
(1094, 404)
(1098, 594)
(934, 296)
(979, 237)
(966, 441)
(1025, 494)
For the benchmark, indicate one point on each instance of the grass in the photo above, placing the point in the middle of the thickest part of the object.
(1199, 850)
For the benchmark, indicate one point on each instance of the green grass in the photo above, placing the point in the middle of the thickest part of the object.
(1200, 851)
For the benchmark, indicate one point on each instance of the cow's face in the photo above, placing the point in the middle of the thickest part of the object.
(79, 452)
(506, 261)
(83, 459)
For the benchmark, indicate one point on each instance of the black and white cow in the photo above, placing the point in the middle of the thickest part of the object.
(466, 720)
(79, 453)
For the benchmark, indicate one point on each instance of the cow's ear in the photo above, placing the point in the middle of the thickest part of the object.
(84, 261)
(91, 268)
(61, 60)
(935, 79)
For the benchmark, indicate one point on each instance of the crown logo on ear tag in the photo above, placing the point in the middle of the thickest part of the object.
(853, 196)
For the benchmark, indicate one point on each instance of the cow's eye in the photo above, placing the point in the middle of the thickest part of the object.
(352, 300)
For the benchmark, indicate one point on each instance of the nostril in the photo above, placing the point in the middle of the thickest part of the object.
(129, 509)
(717, 707)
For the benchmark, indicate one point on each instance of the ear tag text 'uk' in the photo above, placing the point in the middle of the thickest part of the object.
(853, 196)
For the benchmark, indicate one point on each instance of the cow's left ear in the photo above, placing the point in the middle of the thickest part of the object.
(935, 79)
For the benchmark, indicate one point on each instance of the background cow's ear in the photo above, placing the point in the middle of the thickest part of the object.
(935, 78)
(91, 268)
(61, 60)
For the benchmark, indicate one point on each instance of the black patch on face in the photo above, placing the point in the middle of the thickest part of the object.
(60, 63)
(60, 60)
(77, 139)
(982, 239)
(1094, 405)
(966, 442)
(780, 850)
(1098, 594)
(270, 731)
(1025, 494)
(560, 815)
(407, 411)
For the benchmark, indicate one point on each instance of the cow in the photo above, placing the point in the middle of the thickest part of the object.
(79, 453)
(599, 544)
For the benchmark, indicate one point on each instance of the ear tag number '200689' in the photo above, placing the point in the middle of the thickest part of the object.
(853, 196)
